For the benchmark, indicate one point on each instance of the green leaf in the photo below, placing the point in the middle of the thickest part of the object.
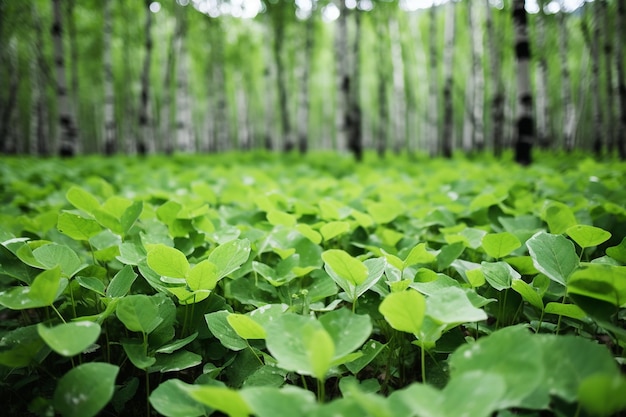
(320, 350)
(499, 275)
(175, 362)
(404, 310)
(528, 293)
(333, 229)
(139, 313)
(289, 401)
(92, 283)
(245, 327)
(618, 252)
(370, 350)
(603, 395)
(559, 217)
(448, 254)
(553, 255)
(451, 306)
(485, 390)
(600, 281)
(54, 254)
(121, 282)
(77, 227)
(347, 330)
(276, 217)
(167, 261)
(587, 236)
(498, 245)
(136, 352)
(226, 400)
(130, 216)
(522, 367)
(567, 310)
(345, 266)
(85, 390)
(229, 256)
(219, 326)
(172, 399)
(82, 200)
(419, 255)
(69, 339)
(177, 344)
(203, 276)
(300, 344)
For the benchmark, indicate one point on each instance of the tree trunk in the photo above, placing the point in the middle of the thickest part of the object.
(525, 123)
(184, 135)
(497, 87)
(620, 35)
(146, 144)
(110, 137)
(382, 76)
(303, 109)
(399, 90)
(278, 22)
(478, 119)
(447, 139)
(165, 119)
(73, 44)
(342, 72)
(595, 80)
(608, 68)
(569, 117)
(541, 80)
(38, 117)
(243, 121)
(354, 117)
(8, 144)
(220, 113)
(68, 139)
(433, 86)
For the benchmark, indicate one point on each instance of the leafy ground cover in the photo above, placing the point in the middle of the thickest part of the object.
(278, 286)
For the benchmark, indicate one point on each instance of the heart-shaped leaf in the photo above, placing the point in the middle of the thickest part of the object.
(404, 310)
(85, 390)
(69, 339)
(553, 255)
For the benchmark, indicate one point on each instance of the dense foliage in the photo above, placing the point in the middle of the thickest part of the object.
(273, 286)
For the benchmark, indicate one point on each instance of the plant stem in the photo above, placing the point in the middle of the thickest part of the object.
(558, 323)
(423, 363)
(321, 391)
(58, 314)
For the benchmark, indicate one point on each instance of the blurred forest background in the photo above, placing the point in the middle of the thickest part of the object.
(137, 77)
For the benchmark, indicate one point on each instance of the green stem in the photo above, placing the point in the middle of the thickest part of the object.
(58, 314)
(145, 344)
(254, 353)
(321, 390)
(558, 323)
(73, 302)
(423, 363)
(540, 321)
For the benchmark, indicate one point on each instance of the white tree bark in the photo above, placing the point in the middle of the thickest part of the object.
(398, 104)
(447, 140)
(569, 117)
(541, 81)
(68, 133)
(110, 137)
(433, 93)
(146, 143)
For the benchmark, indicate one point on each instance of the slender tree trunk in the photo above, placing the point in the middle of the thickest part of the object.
(399, 90)
(447, 139)
(595, 81)
(354, 115)
(166, 102)
(433, 86)
(525, 123)
(281, 81)
(68, 141)
(608, 68)
(129, 115)
(7, 136)
(620, 35)
(478, 137)
(184, 134)
(497, 87)
(569, 118)
(146, 144)
(541, 81)
(383, 101)
(221, 125)
(73, 44)
(303, 109)
(342, 72)
(110, 137)
(38, 120)
(243, 115)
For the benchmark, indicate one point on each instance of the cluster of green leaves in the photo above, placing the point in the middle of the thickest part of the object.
(254, 285)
